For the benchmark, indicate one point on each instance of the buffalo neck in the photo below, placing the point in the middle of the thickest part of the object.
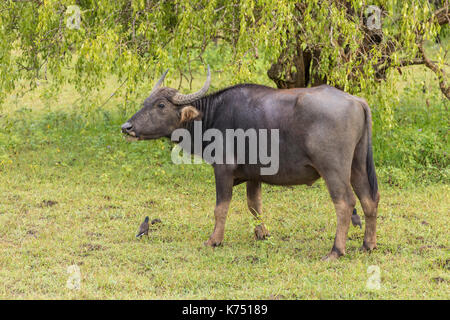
(207, 106)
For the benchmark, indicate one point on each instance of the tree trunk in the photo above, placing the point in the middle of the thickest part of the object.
(295, 69)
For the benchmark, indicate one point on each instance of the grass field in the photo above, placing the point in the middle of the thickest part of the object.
(74, 192)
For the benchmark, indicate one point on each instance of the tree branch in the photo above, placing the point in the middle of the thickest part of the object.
(438, 71)
(442, 15)
(34, 1)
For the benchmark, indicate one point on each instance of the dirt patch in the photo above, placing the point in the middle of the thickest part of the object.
(149, 203)
(181, 259)
(32, 233)
(111, 206)
(116, 216)
(48, 203)
(442, 264)
(157, 220)
(440, 280)
(92, 247)
(391, 183)
(422, 248)
(93, 234)
(356, 237)
(252, 259)
(14, 197)
(276, 297)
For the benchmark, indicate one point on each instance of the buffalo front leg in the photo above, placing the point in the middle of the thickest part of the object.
(224, 191)
(254, 202)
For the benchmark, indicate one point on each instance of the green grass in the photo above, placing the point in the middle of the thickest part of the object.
(74, 192)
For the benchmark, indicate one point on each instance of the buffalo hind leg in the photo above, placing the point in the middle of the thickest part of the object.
(254, 202)
(224, 191)
(361, 187)
(344, 201)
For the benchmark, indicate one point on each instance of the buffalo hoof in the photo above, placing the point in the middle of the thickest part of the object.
(367, 247)
(261, 233)
(333, 255)
(212, 243)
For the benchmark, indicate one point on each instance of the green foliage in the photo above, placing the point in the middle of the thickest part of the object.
(417, 148)
(137, 39)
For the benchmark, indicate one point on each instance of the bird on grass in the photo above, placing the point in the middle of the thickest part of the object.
(143, 229)
(356, 220)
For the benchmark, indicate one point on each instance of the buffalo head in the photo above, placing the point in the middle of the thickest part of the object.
(163, 111)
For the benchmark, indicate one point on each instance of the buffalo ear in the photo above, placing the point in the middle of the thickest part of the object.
(189, 113)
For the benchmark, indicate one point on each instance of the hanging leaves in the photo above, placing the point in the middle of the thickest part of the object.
(299, 43)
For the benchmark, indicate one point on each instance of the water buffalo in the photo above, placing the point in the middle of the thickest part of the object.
(323, 132)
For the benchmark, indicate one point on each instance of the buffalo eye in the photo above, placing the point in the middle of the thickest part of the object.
(161, 105)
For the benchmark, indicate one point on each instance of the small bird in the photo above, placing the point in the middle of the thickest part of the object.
(356, 220)
(143, 229)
